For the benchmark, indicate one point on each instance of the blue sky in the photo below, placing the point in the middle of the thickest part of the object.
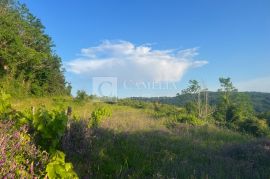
(141, 40)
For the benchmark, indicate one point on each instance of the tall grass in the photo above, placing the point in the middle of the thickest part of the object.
(133, 143)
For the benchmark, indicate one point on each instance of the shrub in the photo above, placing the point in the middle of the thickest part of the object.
(255, 127)
(58, 168)
(98, 115)
(5, 107)
(265, 115)
(81, 96)
(7, 112)
(190, 119)
(158, 110)
(19, 158)
(191, 108)
(164, 110)
(49, 127)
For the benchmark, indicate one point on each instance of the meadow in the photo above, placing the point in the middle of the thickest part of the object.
(134, 143)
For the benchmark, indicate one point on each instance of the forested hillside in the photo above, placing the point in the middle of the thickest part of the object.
(28, 63)
(260, 101)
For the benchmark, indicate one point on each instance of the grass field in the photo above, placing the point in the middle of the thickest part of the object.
(133, 144)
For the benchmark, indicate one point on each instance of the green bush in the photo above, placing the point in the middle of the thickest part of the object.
(81, 96)
(98, 115)
(164, 110)
(254, 126)
(49, 127)
(191, 108)
(190, 119)
(7, 112)
(5, 107)
(58, 168)
(265, 115)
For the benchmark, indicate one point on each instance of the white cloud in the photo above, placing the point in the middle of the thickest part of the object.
(258, 84)
(126, 61)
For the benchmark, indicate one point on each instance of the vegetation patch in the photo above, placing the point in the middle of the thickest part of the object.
(98, 115)
(19, 157)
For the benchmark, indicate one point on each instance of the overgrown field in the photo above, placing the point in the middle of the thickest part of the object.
(132, 141)
(223, 134)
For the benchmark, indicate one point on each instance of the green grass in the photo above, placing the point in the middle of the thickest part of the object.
(134, 144)
(79, 109)
(160, 153)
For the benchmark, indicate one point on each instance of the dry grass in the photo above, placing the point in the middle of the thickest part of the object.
(127, 119)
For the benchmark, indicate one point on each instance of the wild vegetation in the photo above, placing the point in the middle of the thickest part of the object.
(138, 139)
(142, 139)
(46, 133)
(20, 131)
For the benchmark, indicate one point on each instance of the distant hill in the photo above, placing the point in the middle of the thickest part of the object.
(260, 101)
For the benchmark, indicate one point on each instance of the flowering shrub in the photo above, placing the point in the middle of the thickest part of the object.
(19, 158)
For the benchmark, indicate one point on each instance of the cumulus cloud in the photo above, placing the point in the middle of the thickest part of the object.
(126, 61)
(258, 84)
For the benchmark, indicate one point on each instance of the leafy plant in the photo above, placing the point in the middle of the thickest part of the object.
(190, 119)
(7, 112)
(5, 106)
(49, 127)
(98, 115)
(58, 168)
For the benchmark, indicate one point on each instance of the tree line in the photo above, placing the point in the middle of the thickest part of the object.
(28, 62)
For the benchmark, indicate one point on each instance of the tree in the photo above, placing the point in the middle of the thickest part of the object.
(195, 90)
(227, 89)
(27, 58)
(81, 95)
(234, 108)
(224, 110)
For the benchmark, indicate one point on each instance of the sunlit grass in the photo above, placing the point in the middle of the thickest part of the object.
(134, 144)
